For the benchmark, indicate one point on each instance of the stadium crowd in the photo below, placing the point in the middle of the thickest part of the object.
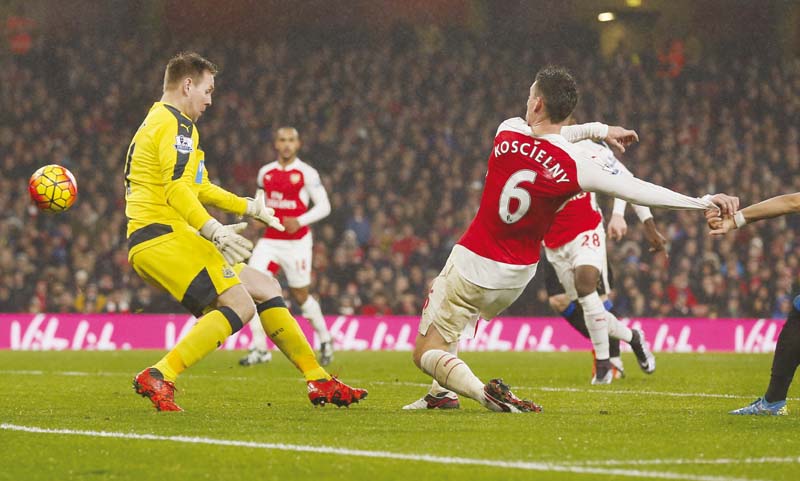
(400, 132)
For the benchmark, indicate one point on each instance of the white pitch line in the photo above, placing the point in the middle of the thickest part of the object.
(592, 391)
(679, 461)
(408, 383)
(649, 393)
(20, 372)
(523, 465)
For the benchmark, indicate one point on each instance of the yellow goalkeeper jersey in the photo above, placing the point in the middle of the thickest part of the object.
(166, 181)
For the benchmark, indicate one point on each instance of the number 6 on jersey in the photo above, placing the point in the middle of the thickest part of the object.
(512, 191)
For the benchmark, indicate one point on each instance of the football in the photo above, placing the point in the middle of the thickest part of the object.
(53, 188)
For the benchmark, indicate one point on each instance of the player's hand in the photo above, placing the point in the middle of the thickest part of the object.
(719, 226)
(619, 137)
(617, 227)
(656, 240)
(258, 210)
(226, 239)
(292, 224)
(728, 205)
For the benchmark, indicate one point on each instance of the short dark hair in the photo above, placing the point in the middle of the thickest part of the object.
(187, 64)
(559, 90)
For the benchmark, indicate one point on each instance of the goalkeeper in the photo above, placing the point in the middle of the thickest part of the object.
(175, 244)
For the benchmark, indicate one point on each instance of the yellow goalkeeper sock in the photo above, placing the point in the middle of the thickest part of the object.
(208, 334)
(284, 331)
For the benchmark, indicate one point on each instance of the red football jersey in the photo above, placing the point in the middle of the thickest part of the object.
(286, 190)
(528, 180)
(580, 214)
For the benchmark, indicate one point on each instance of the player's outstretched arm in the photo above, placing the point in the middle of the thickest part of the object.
(773, 207)
(642, 212)
(617, 227)
(595, 178)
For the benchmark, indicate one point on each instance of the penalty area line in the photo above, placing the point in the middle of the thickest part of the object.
(426, 458)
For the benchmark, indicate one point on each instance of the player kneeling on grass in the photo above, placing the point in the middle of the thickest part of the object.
(787, 351)
(166, 189)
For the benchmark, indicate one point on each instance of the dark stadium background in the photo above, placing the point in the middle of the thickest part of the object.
(397, 102)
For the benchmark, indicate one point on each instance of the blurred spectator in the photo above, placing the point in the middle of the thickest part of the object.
(90, 300)
(378, 307)
(359, 224)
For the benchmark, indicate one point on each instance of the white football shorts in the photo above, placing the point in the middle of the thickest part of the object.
(587, 249)
(454, 304)
(292, 256)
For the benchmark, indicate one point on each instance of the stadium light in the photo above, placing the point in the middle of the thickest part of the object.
(605, 17)
(633, 3)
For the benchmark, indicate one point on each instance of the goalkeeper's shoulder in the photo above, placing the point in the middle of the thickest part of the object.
(160, 121)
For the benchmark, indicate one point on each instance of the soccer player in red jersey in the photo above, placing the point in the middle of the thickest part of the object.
(532, 171)
(577, 241)
(294, 190)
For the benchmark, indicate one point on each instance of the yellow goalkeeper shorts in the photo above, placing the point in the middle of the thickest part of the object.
(182, 263)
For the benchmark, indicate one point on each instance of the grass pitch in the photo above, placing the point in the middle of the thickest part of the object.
(256, 423)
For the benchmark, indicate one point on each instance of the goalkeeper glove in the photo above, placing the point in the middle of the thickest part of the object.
(226, 239)
(257, 209)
